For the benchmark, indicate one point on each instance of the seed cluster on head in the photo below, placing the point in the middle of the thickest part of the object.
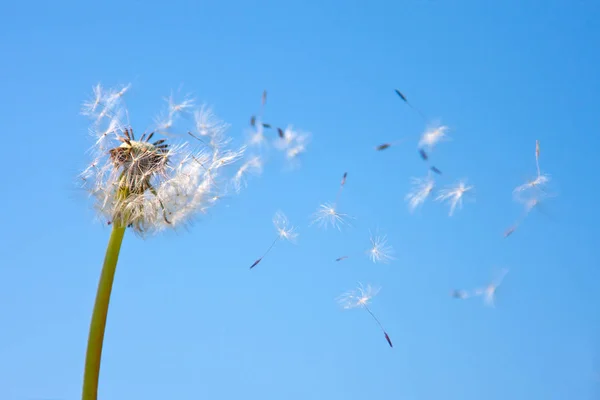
(150, 185)
(139, 161)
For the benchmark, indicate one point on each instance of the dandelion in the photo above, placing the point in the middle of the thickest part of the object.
(284, 232)
(454, 195)
(489, 292)
(360, 297)
(431, 137)
(144, 183)
(422, 188)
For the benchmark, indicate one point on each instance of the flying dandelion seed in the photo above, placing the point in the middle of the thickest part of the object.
(387, 145)
(293, 143)
(430, 138)
(256, 134)
(379, 252)
(403, 97)
(208, 125)
(183, 107)
(89, 107)
(533, 185)
(422, 188)
(327, 214)
(360, 297)
(459, 294)
(489, 292)
(342, 183)
(536, 184)
(284, 232)
(253, 166)
(537, 156)
(529, 205)
(105, 103)
(454, 195)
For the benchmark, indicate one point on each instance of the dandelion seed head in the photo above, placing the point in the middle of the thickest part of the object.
(146, 182)
(359, 297)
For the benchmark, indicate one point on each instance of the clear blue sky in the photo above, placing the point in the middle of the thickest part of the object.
(188, 320)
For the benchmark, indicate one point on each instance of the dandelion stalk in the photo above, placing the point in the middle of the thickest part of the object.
(98, 324)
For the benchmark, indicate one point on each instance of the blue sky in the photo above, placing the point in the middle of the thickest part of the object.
(188, 320)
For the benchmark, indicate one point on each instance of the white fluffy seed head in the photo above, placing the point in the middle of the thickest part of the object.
(145, 182)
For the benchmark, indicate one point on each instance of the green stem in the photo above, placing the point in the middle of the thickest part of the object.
(98, 324)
